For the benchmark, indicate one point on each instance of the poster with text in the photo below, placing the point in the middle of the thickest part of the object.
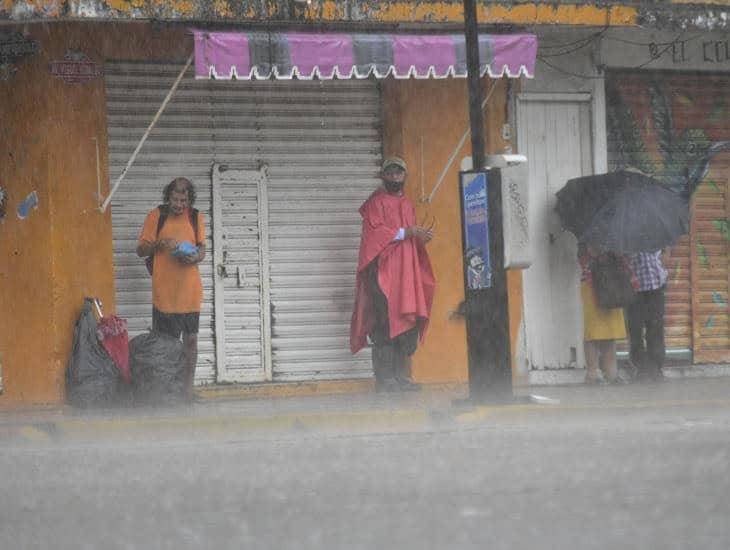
(476, 230)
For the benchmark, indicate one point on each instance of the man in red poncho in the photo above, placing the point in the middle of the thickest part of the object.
(395, 284)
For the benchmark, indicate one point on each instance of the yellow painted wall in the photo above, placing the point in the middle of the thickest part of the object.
(63, 250)
(423, 122)
(27, 318)
(430, 118)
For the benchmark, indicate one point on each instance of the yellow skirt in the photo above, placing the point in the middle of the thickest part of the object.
(600, 323)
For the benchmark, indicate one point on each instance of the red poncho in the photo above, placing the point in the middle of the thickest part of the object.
(404, 270)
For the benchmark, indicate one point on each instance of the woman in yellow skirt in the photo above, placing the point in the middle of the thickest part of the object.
(601, 327)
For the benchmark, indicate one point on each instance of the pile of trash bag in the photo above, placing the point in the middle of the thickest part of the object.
(106, 369)
(92, 377)
(157, 362)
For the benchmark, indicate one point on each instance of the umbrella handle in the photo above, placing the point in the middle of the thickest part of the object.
(97, 305)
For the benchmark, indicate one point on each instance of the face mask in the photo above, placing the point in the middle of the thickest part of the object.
(393, 186)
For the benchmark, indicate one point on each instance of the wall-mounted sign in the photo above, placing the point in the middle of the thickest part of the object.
(665, 50)
(14, 45)
(476, 230)
(75, 67)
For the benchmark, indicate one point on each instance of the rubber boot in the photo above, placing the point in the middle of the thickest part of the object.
(385, 380)
(403, 373)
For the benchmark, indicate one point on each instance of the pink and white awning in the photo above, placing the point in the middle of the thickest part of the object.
(286, 55)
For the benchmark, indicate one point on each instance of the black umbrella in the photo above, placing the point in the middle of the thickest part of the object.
(622, 211)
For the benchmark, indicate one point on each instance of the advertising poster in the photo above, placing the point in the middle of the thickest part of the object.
(476, 231)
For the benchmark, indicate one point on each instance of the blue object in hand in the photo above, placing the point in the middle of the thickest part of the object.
(185, 248)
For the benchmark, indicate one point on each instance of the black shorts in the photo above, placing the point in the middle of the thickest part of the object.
(175, 324)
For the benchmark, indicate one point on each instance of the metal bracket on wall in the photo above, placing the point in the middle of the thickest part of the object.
(98, 172)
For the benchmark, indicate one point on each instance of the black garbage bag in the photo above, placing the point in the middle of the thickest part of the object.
(92, 378)
(157, 362)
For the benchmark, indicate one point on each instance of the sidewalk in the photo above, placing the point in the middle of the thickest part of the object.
(353, 413)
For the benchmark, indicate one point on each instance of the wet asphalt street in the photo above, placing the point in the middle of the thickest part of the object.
(644, 477)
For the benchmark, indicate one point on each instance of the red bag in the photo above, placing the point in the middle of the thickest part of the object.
(112, 333)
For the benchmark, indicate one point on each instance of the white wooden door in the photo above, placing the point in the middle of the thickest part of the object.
(554, 131)
(240, 259)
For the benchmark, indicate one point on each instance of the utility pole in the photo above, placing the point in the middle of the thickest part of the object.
(487, 315)
(476, 122)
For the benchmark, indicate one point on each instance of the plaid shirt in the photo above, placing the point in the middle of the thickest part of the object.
(648, 269)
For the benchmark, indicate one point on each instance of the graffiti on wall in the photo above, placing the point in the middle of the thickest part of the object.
(685, 154)
(13, 47)
(691, 52)
(677, 129)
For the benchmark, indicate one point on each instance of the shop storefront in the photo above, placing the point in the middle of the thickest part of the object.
(282, 162)
(282, 157)
(614, 98)
(285, 163)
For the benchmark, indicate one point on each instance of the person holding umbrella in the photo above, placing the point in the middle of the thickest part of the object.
(646, 316)
(631, 213)
(602, 326)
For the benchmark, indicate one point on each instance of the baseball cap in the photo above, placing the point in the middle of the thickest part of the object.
(394, 161)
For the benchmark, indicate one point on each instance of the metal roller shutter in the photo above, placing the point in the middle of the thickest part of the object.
(710, 248)
(321, 144)
(181, 144)
(693, 108)
(700, 112)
